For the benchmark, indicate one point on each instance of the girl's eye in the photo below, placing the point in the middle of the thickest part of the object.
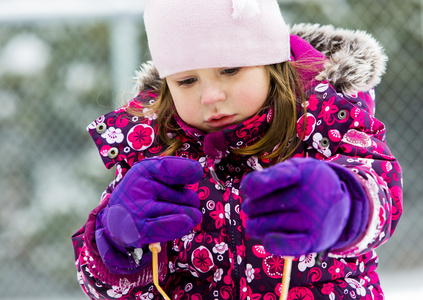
(231, 71)
(188, 81)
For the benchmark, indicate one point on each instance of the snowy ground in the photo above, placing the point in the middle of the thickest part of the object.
(403, 285)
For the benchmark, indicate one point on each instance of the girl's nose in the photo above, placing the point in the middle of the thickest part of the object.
(212, 93)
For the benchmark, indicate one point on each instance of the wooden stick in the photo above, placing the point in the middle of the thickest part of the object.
(155, 249)
(287, 266)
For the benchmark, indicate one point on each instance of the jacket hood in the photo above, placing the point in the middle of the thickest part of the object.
(356, 61)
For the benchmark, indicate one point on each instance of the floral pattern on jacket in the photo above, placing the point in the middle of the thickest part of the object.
(217, 259)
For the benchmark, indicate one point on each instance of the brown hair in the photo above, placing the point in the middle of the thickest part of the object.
(285, 94)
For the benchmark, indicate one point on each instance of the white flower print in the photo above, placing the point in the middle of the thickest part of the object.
(220, 248)
(362, 266)
(80, 277)
(316, 144)
(146, 296)
(203, 161)
(218, 275)
(189, 286)
(89, 272)
(149, 113)
(113, 135)
(187, 239)
(249, 272)
(360, 290)
(93, 292)
(382, 235)
(306, 261)
(176, 247)
(119, 175)
(322, 87)
(92, 125)
(122, 289)
(185, 146)
(228, 211)
(367, 161)
(357, 138)
(118, 291)
(171, 267)
(253, 163)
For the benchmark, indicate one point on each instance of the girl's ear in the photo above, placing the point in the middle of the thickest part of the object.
(245, 9)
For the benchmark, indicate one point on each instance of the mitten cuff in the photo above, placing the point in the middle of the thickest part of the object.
(359, 213)
(90, 226)
(118, 259)
(143, 277)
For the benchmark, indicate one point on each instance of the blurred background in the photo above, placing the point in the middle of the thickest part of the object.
(65, 63)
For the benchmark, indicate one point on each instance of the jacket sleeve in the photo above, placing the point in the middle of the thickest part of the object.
(122, 139)
(343, 130)
(95, 279)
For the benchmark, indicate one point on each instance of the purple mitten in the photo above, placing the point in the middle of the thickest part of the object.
(150, 205)
(304, 205)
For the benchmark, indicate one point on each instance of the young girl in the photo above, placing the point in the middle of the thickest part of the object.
(246, 142)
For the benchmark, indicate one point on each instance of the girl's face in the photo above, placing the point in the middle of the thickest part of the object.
(214, 98)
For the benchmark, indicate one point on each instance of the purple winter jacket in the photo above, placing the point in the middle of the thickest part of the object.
(217, 260)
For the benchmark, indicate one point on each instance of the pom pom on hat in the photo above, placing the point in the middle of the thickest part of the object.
(194, 34)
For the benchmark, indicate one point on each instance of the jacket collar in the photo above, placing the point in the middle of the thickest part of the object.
(216, 145)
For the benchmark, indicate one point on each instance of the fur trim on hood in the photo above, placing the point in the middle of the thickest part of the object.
(356, 61)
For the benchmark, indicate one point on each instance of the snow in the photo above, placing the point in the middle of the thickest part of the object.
(25, 54)
(8, 103)
(81, 77)
(402, 284)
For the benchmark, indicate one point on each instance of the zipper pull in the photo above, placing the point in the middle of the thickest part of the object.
(214, 175)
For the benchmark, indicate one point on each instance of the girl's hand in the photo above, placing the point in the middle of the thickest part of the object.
(302, 206)
(150, 205)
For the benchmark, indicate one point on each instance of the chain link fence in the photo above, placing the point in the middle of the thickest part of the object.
(59, 74)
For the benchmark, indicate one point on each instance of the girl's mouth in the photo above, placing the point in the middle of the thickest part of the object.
(220, 120)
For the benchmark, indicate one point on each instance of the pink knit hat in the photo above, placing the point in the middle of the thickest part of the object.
(194, 34)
